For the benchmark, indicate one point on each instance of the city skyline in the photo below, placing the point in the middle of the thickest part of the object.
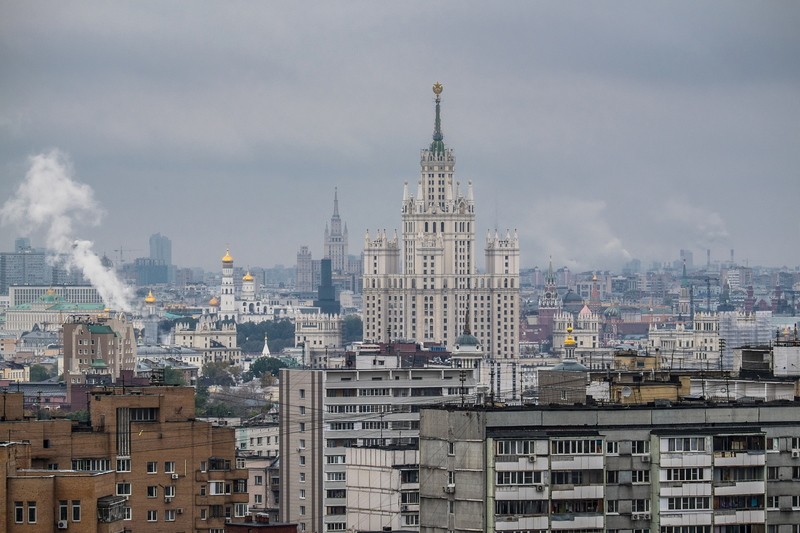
(600, 133)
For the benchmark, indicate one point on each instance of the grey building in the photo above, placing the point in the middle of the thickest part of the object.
(698, 468)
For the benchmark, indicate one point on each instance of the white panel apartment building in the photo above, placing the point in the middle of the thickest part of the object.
(326, 412)
(424, 290)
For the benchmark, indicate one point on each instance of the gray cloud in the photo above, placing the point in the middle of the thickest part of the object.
(235, 121)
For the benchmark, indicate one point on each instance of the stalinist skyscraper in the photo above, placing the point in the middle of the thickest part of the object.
(429, 288)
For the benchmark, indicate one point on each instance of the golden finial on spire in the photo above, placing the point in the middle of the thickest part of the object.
(437, 88)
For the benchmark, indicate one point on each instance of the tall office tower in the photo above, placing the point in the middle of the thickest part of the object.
(304, 281)
(161, 248)
(429, 296)
(687, 258)
(336, 239)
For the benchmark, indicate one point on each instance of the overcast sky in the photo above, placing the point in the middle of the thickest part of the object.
(601, 131)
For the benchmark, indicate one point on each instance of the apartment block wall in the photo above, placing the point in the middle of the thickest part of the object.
(715, 467)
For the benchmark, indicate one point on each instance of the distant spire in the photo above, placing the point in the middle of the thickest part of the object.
(437, 146)
(336, 202)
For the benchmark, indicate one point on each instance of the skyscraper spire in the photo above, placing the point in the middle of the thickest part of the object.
(336, 202)
(437, 146)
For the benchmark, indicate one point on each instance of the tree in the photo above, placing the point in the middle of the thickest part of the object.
(352, 329)
(266, 365)
(250, 336)
(173, 377)
(39, 373)
(217, 373)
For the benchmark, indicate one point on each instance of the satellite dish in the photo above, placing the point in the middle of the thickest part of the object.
(626, 392)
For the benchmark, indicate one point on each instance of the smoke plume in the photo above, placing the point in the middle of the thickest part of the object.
(49, 200)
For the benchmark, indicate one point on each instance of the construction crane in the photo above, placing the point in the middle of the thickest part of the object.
(121, 250)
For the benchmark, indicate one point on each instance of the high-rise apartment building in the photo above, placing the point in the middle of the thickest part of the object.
(427, 286)
(375, 401)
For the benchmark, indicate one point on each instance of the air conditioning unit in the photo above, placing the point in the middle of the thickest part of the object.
(539, 488)
(449, 489)
(645, 458)
(174, 476)
(404, 508)
(795, 454)
(531, 458)
(63, 524)
(167, 500)
(179, 510)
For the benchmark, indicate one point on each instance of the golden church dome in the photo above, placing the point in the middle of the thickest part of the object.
(227, 257)
(150, 299)
(213, 302)
(247, 277)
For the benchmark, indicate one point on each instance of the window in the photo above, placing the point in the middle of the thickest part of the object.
(63, 510)
(152, 491)
(19, 513)
(772, 502)
(123, 489)
(612, 477)
(336, 476)
(640, 447)
(302, 477)
(576, 447)
(451, 448)
(123, 464)
(303, 460)
(612, 448)
(332, 459)
(128, 514)
(259, 480)
(302, 409)
(685, 474)
(302, 494)
(640, 476)
(302, 444)
(688, 502)
(152, 515)
(169, 515)
(409, 476)
(240, 509)
(640, 506)
(302, 393)
(302, 510)
(169, 467)
(152, 467)
(687, 444)
(302, 426)
(773, 472)
(169, 491)
(612, 506)
(76, 510)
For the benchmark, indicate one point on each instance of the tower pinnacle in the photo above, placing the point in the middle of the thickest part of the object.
(437, 146)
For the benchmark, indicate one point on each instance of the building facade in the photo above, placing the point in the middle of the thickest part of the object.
(426, 286)
(163, 469)
(673, 468)
(374, 402)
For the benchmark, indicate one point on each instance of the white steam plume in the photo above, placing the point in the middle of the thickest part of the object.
(50, 200)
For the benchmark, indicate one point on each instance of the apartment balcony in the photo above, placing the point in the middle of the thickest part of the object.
(755, 458)
(685, 488)
(576, 492)
(505, 463)
(685, 518)
(523, 492)
(730, 488)
(576, 521)
(576, 462)
(522, 523)
(684, 460)
(733, 516)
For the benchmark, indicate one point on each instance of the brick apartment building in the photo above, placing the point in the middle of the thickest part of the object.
(142, 463)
